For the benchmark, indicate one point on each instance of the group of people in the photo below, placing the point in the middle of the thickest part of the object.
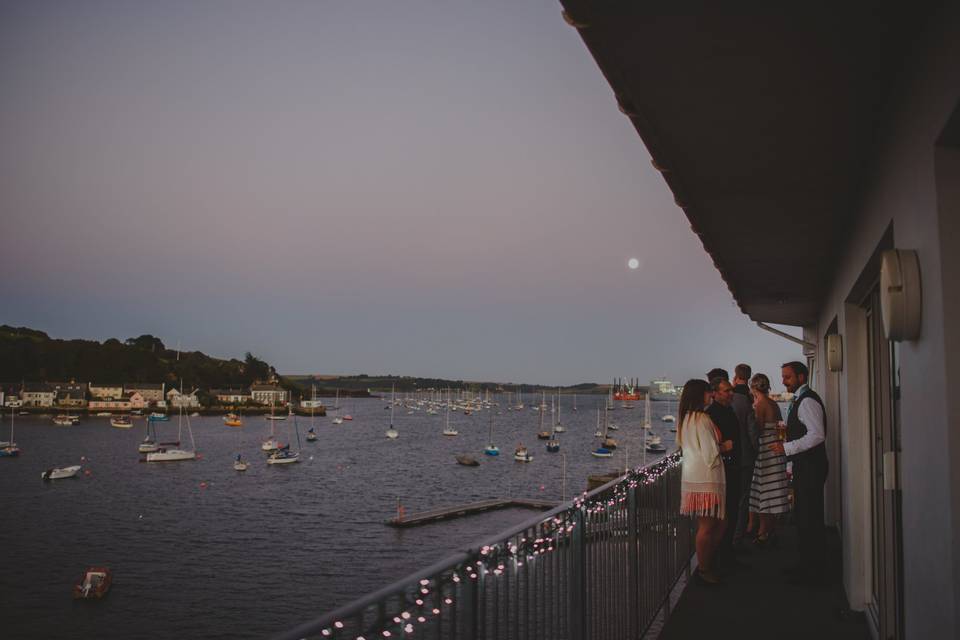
(735, 447)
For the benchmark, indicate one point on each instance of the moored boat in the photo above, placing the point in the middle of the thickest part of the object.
(467, 461)
(94, 584)
(121, 422)
(58, 473)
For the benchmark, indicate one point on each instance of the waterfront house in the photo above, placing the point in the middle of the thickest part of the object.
(176, 399)
(109, 404)
(70, 394)
(816, 156)
(150, 391)
(100, 391)
(268, 394)
(37, 394)
(231, 396)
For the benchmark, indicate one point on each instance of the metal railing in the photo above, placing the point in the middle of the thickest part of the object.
(600, 566)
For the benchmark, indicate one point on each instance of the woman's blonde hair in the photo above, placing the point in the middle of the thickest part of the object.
(760, 382)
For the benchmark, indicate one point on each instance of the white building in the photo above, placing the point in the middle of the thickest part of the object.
(186, 400)
(268, 394)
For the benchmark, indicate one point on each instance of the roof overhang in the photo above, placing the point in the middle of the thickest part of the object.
(762, 122)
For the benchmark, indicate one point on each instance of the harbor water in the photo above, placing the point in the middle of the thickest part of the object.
(199, 550)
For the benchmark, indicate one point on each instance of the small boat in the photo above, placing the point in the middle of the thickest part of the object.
(280, 417)
(553, 445)
(602, 452)
(104, 414)
(239, 464)
(609, 443)
(270, 445)
(74, 419)
(232, 420)
(656, 448)
(9, 448)
(311, 435)
(63, 420)
(158, 417)
(121, 422)
(195, 414)
(448, 430)
(163, 454)
(467, 461)
(348, 417)
(654, 439)
(58, 473)
(95, 583)
(136, 412)
(491, 449)
(337, 420)
(522, 455)
(392, 433)
(613, 427)
(148, 446)
(668, 418)
(543, 435)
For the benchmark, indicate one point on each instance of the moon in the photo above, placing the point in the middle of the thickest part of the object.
(633, 263)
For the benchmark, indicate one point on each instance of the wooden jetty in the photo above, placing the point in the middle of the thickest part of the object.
(447, 513)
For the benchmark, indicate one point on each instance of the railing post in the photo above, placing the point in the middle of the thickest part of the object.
(470, 601)
(578, 582)
(633, 563)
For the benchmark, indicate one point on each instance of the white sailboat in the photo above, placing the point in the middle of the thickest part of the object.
(602, 451)
(491, 449)
(271, 444)
(239, 464)
(176, 454)
(392, 433)
(448, 430)
(9, 449)
(558, 427)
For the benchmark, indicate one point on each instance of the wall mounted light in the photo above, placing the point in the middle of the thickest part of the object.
(834, 352)
(901, 299)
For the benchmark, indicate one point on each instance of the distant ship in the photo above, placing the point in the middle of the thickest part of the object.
(625, 391)
(663, 389)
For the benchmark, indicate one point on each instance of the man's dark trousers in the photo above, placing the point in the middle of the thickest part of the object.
(809, 477)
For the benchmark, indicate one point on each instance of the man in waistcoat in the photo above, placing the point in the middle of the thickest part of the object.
(742, 404)
(806, 433)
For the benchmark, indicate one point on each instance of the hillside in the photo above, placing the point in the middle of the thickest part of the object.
(33, 356)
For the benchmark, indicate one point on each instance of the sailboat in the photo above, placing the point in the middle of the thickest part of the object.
(149, 442)
(669, 417)
(608, 442)
(391, 432)
(271, 443)
(283, 455)
(601, 451)
(575, 403)
(239, 464)
(541, 433)
(9, 449)
(491, 449)
(175, 454)
(448, 430)
(311, 432)
(558, 427)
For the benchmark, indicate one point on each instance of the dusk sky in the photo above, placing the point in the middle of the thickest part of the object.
(421, 188)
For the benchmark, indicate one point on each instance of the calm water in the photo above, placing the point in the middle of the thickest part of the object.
(199, 550)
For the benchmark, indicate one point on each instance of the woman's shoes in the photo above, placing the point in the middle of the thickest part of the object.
(707, 578)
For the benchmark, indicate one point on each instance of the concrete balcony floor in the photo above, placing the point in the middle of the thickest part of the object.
(759, 602)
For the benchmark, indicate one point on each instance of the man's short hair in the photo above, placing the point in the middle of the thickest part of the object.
(717, 373)
(799, 369)
(716, 381)
(743, 371)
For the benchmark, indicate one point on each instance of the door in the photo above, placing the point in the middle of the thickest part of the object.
(886, 606)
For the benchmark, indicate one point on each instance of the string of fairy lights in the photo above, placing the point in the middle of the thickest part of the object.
(428, 601)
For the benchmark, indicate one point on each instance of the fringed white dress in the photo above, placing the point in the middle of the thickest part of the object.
(702, 480)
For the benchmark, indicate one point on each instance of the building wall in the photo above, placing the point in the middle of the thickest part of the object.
(901, 190)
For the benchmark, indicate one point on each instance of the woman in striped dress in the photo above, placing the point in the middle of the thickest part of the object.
(769, 491)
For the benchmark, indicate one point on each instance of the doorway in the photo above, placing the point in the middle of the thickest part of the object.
(886, 589)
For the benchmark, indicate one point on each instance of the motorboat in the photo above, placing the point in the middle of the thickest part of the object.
(668, 418)
(656, 448)
(602, 452)
(121, 422)
(94, 584)
(467, 461)
(58, 473)
(63, 420)
(522, 455)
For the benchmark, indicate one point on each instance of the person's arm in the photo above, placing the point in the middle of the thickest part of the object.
(811, 415)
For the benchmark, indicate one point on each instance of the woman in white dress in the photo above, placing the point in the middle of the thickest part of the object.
(769, 491)
(703, 483)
